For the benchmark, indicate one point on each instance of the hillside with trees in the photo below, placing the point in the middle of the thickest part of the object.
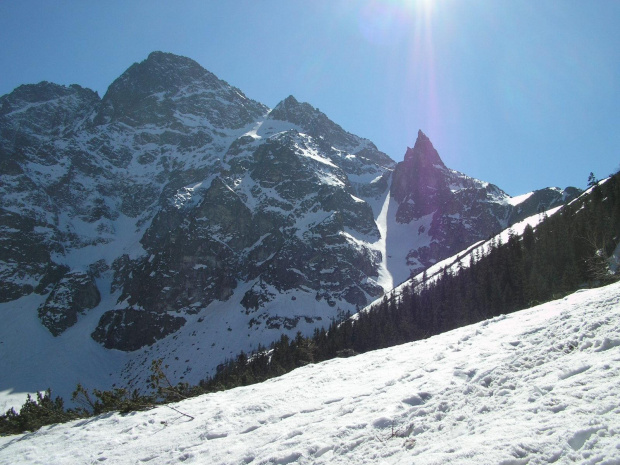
(576, 247)
(568, 250)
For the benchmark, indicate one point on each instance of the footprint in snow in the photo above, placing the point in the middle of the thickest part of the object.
(250, 429)
(417, 399)
(214, 435)
(332, 401)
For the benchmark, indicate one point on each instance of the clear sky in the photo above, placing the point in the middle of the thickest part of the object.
(523, 94)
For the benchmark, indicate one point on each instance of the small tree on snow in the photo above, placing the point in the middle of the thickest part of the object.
(592, 181)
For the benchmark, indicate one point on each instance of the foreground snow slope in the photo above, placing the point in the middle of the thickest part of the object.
(538, 386)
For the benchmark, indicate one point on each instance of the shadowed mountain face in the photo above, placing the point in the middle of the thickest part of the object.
(458, 210)
(452, 209)
(176, 206)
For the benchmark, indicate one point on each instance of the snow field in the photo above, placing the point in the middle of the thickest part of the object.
(30, 356)
(538, 386)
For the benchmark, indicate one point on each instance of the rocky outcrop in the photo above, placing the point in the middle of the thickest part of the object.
(167, 90)
(74, 294)
(454, 209)
(130, 329)
(540, 201)
(279, 216)
(44, 109)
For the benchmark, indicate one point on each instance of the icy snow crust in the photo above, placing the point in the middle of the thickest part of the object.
(538, 386)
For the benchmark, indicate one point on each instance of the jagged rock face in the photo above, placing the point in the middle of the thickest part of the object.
(74, 294)
(23, 257)
(167, 90)
(76, 174)
(460, 210)
(206, 211)
(281, 216)
(420, 183)
(44, 109)
(33, 118)
(166, 181)
(330, 135)
(131, 329)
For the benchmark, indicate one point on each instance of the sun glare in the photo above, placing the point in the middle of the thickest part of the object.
(386, 22)
(403, 29)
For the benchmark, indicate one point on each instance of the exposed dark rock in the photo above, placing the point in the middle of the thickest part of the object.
(74, 294)
(24, 256)
(44, 109)
(164, 86)
(460, 210)
(130, 329)
(421, 182)
(316, 124)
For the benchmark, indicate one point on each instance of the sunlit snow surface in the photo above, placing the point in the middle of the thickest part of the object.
(538, 386)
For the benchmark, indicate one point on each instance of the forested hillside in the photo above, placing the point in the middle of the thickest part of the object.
(571, 249)
(574, 248)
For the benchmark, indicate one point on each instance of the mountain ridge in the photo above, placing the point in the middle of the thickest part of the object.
(194, 210)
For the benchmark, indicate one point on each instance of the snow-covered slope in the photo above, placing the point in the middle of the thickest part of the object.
(535, 387)
(463, 258)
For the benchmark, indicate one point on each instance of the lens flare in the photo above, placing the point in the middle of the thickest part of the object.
(404, 28)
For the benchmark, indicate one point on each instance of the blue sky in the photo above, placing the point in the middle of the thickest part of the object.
(523, 94)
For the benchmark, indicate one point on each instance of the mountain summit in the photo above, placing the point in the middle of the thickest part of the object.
(423, 155)
(176, 218)
(165, 87)
(447, 211)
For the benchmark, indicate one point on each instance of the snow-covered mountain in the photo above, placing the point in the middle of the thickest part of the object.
(538, 386)
(176, 218)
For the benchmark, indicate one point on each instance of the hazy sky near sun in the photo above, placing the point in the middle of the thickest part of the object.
(523, 94)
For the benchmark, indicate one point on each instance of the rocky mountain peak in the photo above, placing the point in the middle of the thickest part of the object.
(417, 178)
(44, 91)
(150, 92)
(293, 111)
(161, 72)
(45, 108)
(290, 102)
(423, 154)
(316, 124)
